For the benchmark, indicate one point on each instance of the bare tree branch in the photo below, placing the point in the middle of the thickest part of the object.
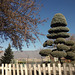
(19, 20)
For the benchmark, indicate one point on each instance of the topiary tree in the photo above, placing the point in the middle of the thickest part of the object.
(58, 32)
(8, 55)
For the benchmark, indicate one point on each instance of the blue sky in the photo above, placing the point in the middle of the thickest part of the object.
(51, 7)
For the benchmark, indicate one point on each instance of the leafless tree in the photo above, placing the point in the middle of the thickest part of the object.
(19, 20)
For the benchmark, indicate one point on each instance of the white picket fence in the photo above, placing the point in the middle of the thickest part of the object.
(37, 69)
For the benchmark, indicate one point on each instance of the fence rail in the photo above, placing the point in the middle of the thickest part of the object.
(37, 69)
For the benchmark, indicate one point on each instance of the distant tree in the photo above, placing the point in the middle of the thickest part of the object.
(19, 20)
(8, 55)
(58, 32)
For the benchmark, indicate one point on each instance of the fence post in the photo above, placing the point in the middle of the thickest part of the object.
(59, 67)
(44, 69)
(2, 69)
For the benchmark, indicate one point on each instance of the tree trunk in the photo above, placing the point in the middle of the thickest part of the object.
(60, 60)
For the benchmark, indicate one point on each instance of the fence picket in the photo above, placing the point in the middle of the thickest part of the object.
(44, 69)
(59, 67)
(13, 69)
(9, 69)
(6, 68)
(49, 69)
(17, 69)
(30, 69)
(74, 67)
(34, 69)
(21, 69)
(70, 69)
(39, 69)
(54, 69)
(2, 69)
(26, 72)
(64, 68)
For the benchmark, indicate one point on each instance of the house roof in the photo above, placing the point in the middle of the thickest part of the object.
(25, 54)
(1, 51)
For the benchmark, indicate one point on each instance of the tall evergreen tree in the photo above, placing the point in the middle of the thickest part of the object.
(58, 32)
(8, 55)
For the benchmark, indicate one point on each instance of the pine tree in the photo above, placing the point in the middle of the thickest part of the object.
(8, 55)
(58, 34)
